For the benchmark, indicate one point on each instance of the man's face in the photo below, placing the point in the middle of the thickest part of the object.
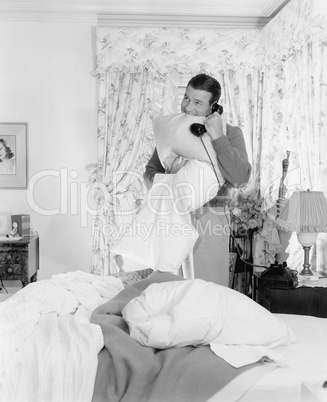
(196, 102)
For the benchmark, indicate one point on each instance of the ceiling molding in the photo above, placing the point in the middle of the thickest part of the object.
(187, 21)
(48, 12)
(139, 14)
(53, 17)
(272, 7)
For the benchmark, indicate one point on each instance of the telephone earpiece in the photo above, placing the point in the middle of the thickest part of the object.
(199, 129)
(216, 108)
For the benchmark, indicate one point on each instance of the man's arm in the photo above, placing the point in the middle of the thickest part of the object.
(230, 150)
(232, 157)
(153, 167)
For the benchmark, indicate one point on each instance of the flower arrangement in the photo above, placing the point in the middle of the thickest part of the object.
(245, 211)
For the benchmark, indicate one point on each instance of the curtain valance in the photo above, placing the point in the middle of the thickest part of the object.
(161, 50)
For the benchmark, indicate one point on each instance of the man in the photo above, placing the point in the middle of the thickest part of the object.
(211, 251)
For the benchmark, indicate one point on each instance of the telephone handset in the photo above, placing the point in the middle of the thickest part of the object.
(199, 129)
(216, 108)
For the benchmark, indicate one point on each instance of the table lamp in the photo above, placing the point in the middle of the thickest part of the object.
(306, 214)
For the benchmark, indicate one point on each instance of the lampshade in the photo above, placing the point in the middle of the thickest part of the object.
(306, 214)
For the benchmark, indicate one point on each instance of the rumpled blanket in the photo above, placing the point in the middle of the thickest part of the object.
(48, 347)
(130, 372)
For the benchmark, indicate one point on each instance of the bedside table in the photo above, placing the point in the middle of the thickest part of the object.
(300, 300)
(19, 259)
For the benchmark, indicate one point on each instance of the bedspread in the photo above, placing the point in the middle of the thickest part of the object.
(130, 372)
(48, 347)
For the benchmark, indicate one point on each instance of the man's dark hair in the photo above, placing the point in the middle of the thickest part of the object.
(207, 83)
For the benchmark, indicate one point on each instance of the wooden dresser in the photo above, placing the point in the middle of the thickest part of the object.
(19, 259)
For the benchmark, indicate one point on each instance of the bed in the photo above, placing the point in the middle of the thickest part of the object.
(64, 339)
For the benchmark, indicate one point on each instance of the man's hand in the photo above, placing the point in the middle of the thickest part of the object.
(214, 126)
(177, 164)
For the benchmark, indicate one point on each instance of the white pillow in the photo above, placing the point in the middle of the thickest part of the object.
(173, 139)
(196, 312)
(162, 234)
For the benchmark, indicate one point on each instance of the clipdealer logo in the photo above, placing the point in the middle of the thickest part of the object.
(72, 197)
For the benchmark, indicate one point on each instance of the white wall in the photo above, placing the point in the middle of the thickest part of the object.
(46, 80)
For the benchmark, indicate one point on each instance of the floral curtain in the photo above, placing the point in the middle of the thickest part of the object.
(294, 97)
(294, 118)
(125, 144)
(229, 55)
(138, 71)
(274, 88)
(242, 99)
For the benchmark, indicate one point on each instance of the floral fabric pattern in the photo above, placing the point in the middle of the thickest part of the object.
(125, 143)
(274, 85)
(293, 115)
(159, 50)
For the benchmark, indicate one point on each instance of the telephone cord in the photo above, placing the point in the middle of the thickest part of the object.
(227, 217)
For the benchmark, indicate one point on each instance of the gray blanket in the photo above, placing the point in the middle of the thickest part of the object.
(130, 372)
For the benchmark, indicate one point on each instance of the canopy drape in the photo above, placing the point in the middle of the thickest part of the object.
(274, 87)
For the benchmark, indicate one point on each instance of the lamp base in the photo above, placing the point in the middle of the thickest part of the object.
(306, 266)
(306, 271)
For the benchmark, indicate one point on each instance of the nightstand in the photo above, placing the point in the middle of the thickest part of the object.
(19, 259)
(300, 300)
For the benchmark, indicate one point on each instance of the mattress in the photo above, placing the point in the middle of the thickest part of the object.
(306, 371)
(49, 349)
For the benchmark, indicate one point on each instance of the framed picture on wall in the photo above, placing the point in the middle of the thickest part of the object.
(13, 155)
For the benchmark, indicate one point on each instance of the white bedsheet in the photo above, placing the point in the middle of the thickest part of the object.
(48, 348)
(302, 380)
